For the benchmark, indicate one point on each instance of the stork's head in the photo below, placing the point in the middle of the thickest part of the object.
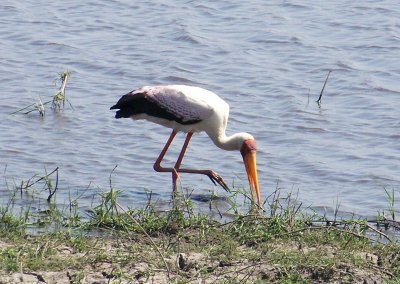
(248, 151)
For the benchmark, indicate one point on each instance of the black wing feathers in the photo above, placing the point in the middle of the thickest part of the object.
(137, 103)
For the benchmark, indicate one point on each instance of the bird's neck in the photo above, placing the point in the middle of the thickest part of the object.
(230, 143)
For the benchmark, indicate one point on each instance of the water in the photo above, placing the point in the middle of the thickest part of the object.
(267, 59)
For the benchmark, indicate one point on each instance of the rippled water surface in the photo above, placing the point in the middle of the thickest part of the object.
(267, 59)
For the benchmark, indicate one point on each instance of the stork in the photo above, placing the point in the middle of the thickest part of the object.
(190, 109)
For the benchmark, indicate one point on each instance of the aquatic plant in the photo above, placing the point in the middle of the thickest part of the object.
(58, 99)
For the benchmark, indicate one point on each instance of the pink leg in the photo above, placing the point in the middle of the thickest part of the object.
(215, 178)
(179, 161)
(157, 165)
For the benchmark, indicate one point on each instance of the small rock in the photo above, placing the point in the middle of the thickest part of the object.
(188, 261)
(370, 257)
(182, 261)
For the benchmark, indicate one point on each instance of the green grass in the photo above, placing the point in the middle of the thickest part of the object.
(284, 244)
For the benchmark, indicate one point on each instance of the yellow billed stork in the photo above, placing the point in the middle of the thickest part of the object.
(190, 109)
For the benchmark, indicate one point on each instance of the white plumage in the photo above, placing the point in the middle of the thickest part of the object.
(187, 103)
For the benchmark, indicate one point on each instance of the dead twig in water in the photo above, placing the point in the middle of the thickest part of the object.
(322, 91)
(52, 190)
(39, 106)
(379, 233)
(42, 178)
(49, 184)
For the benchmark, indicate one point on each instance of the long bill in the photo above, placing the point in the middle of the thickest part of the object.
(251, 170)
(248, 152)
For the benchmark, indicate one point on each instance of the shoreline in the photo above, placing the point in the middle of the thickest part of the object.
(283, 244)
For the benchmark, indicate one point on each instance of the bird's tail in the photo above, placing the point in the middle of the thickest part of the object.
(122, 112)
(127, 106)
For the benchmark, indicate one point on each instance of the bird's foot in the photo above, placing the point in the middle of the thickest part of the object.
(217, 179)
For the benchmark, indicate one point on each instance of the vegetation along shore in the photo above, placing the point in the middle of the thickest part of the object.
(283, 243)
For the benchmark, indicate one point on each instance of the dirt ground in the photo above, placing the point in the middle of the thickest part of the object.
(187, 267)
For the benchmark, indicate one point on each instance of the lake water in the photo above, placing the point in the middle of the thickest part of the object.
(267, 59)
